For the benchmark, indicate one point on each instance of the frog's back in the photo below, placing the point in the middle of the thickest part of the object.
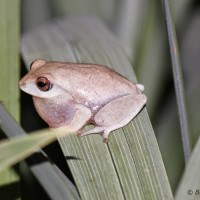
(97, 82)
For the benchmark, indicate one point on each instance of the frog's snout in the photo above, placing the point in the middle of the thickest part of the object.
(22, 84)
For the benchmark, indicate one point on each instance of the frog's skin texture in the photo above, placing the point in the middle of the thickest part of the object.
(69, 96)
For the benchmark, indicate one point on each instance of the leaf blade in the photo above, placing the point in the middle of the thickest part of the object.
(190, 180)
(17, 149)
(97, 169)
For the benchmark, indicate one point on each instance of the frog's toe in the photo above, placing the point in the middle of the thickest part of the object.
(105, 140)
(105, 134)
(96, 129)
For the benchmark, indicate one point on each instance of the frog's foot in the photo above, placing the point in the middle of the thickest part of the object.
(104, 131)
(97, 129)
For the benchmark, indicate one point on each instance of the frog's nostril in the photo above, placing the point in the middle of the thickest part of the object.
(22, 84)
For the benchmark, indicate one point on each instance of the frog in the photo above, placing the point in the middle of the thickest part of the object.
(69, 96)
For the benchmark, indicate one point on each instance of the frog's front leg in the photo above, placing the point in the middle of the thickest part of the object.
(80, 118)
(117, 114)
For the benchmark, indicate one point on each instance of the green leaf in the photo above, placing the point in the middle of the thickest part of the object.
(9, 75)
(189, 187)
(17, 149)
(178, 79)
(9, 55)
(130, 166)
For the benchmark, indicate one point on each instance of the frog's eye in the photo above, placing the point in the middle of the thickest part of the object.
(43, 84)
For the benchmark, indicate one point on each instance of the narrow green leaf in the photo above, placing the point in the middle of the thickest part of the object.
(178, 78)
(19, 148)
(130, 166)
(189, 187)
(9, 55)
(15, 150)
(9, 68)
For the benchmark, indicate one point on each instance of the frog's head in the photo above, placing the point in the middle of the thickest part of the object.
(40, 81)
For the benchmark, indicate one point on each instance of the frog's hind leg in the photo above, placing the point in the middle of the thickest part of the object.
(119, 112)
